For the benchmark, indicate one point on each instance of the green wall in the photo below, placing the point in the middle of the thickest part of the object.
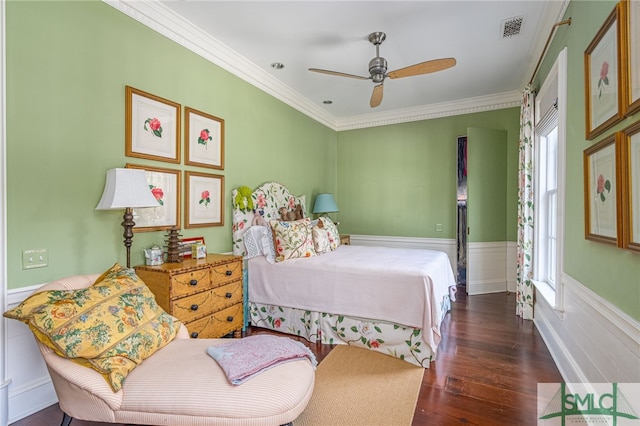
(609, 271)
(68, 63)
(400, 180)
(67, 67)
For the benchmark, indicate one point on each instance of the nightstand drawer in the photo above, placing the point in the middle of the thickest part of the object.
(190, 282)
(225, 273)
(219, 324)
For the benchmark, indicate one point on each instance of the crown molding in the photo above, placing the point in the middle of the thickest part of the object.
(444, 109)
(161, 19)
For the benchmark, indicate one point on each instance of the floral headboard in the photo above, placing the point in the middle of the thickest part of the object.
(267, 199)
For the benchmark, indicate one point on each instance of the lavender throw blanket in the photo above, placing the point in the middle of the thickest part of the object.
(242, 359)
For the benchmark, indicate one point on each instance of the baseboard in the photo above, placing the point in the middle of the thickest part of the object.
(592, 341)
(31, 398)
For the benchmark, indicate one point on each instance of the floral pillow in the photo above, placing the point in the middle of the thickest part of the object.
(292, 239)
(111, 326)
(332, 232)
(320, 240)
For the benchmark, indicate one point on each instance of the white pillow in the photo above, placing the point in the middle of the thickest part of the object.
(258, 241)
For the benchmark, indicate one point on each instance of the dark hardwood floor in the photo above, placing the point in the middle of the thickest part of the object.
(488, 367)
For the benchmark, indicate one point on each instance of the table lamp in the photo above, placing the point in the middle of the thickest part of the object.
(325, 204)
(126, 189)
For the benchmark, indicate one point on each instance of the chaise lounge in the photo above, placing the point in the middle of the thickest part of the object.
(179, 384)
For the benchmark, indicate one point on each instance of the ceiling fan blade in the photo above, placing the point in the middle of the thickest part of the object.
(376, 96)
(339, 74)
(423, 68)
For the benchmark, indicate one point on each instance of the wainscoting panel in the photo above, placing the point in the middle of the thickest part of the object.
(591, 340)
(31, 388)
(487, 268)
(512, 263)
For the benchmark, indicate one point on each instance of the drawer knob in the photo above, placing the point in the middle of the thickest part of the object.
(228, 273)
(194, 307)
(228, 295)
(193, 282)
(229, 318)
(194, 335)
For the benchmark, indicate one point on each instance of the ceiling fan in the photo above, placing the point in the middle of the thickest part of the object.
(378, 69)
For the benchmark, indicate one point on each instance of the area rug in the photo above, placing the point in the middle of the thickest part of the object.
(357, 386)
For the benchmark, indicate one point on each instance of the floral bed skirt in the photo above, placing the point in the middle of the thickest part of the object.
(396, 340)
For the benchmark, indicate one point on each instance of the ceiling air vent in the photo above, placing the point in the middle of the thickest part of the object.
(511, 27)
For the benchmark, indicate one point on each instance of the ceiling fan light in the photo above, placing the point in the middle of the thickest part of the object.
(377, 78)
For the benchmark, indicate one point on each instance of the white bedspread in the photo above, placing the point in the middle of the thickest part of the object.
(403, 286)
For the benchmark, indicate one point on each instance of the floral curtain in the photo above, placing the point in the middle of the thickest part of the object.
(524, 285)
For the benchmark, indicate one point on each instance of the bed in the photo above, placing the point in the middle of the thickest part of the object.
(390, 300)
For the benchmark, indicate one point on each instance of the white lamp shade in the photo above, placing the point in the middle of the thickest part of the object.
(126, 188)
(325, 204)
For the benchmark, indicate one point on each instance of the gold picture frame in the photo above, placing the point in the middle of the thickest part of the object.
(603, 78)
(152, 127)
(601, 163)
(204, 200)
(630, 186)
(165, 185)
(203, 139)
(630, 51)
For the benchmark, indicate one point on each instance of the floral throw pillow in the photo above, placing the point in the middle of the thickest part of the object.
(320, 240)
(332, 232)
(111, 326)
(292, 239)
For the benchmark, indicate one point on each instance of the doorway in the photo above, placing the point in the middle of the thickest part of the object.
(461, 233)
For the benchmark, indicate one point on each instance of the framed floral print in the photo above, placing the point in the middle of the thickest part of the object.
(204, 201)
(165, 185)
(630, 186)
(152, 127)
(204, 139)
(601, 194)
(630, 49)
(602, 79)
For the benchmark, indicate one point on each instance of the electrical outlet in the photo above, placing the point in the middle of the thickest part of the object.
(35, 258)
(438, 227)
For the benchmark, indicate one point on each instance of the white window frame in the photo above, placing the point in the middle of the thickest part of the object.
(555, 80)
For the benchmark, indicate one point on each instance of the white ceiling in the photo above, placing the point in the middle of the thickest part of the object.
(246, 37)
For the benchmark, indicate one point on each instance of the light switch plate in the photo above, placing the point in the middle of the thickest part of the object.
(35, 258)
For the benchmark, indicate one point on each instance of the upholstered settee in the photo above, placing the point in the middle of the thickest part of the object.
(179, 384)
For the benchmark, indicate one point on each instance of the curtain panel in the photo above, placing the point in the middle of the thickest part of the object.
(524, 284)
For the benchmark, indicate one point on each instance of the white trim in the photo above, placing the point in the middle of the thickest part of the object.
(486, 267)
(161, 19)
(17, 295)
(594, 341)
(556, 78)
(628, 326)
(5, 380)
(562, 175)
(561, 355)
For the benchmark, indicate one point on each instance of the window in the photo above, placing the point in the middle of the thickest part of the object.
(549, 165)
(546, 201)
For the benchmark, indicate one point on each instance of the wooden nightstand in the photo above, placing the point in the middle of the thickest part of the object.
(205, 294)
(345, 239)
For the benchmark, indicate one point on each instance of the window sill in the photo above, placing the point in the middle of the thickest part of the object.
(548, 293)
